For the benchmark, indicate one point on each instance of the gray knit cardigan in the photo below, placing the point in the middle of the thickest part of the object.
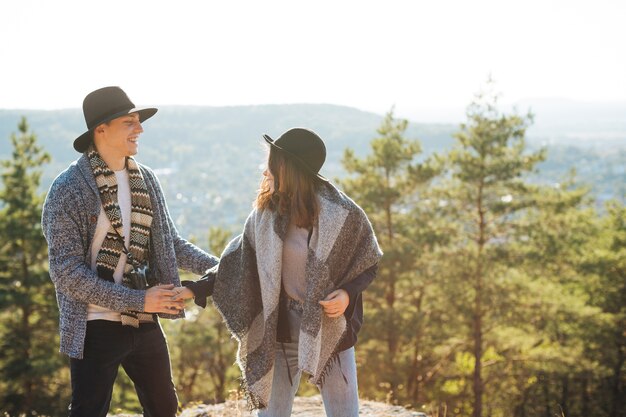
(70, 215)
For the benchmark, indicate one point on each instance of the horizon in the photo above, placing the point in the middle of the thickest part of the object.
(441, 115)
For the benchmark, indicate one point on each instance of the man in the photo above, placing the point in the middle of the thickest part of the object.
(114, 257)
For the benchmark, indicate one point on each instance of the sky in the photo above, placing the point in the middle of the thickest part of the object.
(425, 59)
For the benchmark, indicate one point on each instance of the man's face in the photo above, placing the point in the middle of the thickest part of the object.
(120, 136)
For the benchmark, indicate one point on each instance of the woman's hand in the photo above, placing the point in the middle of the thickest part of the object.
(160, 299)
(335, 303)
(182, 293)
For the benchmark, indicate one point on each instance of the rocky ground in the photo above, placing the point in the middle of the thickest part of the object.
(303, 407)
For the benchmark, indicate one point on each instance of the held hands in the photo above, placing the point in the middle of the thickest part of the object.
(160, 299)
(183, 293)
(335, 303)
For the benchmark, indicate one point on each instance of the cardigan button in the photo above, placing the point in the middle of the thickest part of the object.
(93, 219)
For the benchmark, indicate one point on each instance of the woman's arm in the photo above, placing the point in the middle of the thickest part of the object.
(357, 286)
(343, 300)
(199, 290)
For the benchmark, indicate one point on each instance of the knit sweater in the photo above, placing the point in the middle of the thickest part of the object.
(69, 219)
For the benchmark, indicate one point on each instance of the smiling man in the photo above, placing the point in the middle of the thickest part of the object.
(114, 256)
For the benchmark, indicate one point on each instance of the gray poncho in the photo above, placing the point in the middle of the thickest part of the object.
(248, 285)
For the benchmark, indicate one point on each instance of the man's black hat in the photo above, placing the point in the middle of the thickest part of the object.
(103, 105)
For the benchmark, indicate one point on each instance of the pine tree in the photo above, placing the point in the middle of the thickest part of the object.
(551, 239)
(30, 364)
(606, 341)
(484, 192)
(383, 183)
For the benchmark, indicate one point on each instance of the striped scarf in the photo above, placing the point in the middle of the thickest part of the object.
(141, 219)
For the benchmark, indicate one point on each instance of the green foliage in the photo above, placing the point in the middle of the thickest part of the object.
(31, 370)
(604, 263)
(484, 195)
(201, 347)
(496, 295)
(382, 183)
(500, 293)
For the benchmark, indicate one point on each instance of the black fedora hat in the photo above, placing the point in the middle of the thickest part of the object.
(103, 105)
(304, 146)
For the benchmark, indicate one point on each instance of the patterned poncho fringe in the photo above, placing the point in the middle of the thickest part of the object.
(248, 284)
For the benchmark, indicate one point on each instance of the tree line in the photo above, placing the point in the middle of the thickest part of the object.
(496, 296)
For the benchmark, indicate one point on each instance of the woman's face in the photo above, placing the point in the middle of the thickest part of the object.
(270, 179)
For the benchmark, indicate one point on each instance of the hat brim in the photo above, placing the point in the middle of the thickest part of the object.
(81, 143)
(300, 162)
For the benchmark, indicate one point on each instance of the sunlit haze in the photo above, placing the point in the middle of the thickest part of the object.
(424, 58)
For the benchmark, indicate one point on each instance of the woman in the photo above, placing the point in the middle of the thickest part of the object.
(289, 288)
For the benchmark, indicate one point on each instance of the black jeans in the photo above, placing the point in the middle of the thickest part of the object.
(144, 356)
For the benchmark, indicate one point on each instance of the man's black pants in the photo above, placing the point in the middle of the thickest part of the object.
(144, 356)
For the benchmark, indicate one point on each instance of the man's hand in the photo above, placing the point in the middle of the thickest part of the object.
(183, 293)
(335, 303)
(159, 299)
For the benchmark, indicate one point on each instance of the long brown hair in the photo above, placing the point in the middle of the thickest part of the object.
(294, 190)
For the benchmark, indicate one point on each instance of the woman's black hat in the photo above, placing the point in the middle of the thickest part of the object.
(103, 105)
(304, 146)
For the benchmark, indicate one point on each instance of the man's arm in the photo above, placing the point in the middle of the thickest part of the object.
(70, 273)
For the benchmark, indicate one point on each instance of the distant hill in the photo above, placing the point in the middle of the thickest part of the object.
(574, 123)
(557, 121)
(216, 131)
(208, 158)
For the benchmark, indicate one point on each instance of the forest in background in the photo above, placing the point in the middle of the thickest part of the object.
(208, 158)
(502, 291)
